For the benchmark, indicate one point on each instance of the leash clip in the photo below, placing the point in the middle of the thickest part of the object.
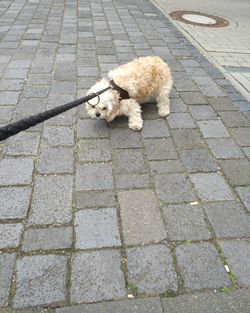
(98, 98)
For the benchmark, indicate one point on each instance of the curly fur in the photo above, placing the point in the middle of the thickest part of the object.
(145, 78)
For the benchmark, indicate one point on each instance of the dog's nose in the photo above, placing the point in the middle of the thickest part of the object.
(97, 114)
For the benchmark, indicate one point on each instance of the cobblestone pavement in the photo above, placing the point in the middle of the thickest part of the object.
(227, 47)
(91, 213)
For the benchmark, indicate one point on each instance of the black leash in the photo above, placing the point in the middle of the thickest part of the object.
(14, 128)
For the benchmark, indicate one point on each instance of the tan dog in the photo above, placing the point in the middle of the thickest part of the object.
(134, 83)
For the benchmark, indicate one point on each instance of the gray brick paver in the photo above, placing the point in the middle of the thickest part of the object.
(140, 217)
(41, 280)
(201, 267)
(151, 269)
(185, 222)
(14, 202)
(52, 200)
(237, 253)
(7, 263)
(147, 305)
(204, 302)
(96, 276)
(47, 238)
(96, 229)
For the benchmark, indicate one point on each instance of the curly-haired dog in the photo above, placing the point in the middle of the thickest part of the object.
(134, 83)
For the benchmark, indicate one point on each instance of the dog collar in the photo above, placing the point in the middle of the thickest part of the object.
(123, 94)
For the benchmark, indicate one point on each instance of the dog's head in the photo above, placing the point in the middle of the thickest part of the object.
(107, 100)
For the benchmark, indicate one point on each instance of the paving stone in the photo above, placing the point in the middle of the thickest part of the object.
(95, 199)
(16, 171)
(27, 107)
(9, 97)
(168, 166)
(94, 177)
(56, 160)
(59, 136)
(147, 305)
(188, 139)
(52, 200)
(94, 150)
(154, 128)
(10, 235)
(132, 181)
(208, 302)
(244, 193)
(211, 187)
(174, 188)
(203, 80)
(151, 269)
(40, 280)
(124, 138)
(202, 112)
(177, 105)
(211, 91)
(236, 171)
(96, 229)
(228, 219)
(237, 253)
(11, 84)
(14, 202)
(185, 85)
(213, 129)
(141, 217)
(192, 97)
(6, 113)
(7, 264)
(129, 161)
(247, 152)
(89, 128)
(160, 149)
(201, 267)
(180, 120)
(198, 160)
(234, 119)
(241, 135)
(63, 87)
(39, 79)
(222, 104)
(47, 238)
(185, 222)
(14, 73)
(35, 91)
(224, 148)
(91, 271)
(25, 143)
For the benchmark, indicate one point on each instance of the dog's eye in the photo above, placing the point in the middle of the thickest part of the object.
(93, 106)
(104, 108)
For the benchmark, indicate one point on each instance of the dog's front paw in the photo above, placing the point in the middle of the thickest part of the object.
(163, 111)
(135, 126)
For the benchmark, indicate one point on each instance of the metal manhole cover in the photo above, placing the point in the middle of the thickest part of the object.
(199, 19)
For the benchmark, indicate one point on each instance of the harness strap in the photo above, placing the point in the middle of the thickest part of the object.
(123, 94)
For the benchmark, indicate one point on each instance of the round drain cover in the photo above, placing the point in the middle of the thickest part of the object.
(199, 19)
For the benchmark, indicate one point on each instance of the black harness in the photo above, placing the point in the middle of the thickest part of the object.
(123, 94)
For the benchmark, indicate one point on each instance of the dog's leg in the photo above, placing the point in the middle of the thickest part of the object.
(163, 103)
(132, 109)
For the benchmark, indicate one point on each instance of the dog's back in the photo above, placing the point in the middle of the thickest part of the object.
(142, 77)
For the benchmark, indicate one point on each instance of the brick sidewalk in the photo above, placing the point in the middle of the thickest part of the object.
(227, 47)
(91, 212)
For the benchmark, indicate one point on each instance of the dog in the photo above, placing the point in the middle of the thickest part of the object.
(142, 80)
